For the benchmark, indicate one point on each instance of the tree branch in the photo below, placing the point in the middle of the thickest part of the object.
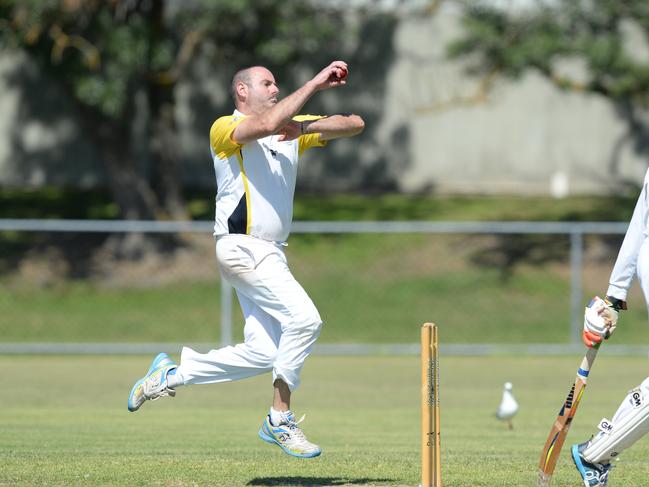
(62, 41)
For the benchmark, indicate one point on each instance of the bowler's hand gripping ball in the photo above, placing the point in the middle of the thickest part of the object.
(342, 73)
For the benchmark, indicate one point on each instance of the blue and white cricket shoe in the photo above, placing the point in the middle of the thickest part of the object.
(154, 384)
(593, 474)
(289, 437)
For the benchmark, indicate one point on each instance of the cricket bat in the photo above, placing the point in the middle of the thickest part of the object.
(559, 431)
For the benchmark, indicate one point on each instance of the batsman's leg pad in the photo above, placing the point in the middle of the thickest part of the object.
(630, 423)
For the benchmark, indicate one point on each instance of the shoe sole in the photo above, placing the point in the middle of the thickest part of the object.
(271, 440)
(131, 407)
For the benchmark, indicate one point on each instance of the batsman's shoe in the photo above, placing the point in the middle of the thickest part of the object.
(154, 384)
(593, 474)
(289, 437)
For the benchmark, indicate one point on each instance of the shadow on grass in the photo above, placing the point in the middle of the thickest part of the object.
(314, 481)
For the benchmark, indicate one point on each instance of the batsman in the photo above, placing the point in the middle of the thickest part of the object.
(593, 458)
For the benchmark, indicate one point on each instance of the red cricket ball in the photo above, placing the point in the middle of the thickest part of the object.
(342, 73)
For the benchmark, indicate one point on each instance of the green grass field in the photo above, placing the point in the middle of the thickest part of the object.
(63, 421)
(369, 289)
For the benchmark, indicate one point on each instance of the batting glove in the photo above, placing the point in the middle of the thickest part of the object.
(600, 320)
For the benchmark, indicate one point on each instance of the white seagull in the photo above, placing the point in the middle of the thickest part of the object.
(508, 406)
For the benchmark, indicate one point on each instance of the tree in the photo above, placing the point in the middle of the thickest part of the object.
(605, 39)
(106, 54)
(590, 46)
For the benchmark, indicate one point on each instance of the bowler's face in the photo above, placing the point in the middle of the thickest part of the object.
(263, 91)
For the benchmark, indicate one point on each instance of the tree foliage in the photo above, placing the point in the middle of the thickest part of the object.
(107, 53)
(607, 37)
(103, 50)
(592, 46)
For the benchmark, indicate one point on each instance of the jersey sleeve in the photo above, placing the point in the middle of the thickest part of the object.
(307, 141)
(221, 140)
(624, 270)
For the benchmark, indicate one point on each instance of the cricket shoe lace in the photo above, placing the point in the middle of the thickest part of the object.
(593, 474)
(598, 476)
(296, 431)
(297, 440)
(155, 386)
(289, 437)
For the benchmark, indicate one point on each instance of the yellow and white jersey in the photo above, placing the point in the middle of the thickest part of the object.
(256, 181)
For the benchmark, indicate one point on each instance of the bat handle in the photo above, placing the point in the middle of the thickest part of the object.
(587, 362)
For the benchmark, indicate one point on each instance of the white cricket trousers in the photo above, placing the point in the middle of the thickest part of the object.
(281, 321)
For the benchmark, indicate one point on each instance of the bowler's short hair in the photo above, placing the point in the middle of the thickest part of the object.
(241, 76)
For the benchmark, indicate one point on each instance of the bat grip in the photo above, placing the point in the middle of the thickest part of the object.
(587, 362)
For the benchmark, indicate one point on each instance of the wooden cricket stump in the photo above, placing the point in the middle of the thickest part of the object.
(431, 468)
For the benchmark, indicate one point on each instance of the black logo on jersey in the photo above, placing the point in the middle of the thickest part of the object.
(273, 152)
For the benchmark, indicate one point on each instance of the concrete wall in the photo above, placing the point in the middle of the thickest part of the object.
(427, 130)
(526, 136)
(41, 141)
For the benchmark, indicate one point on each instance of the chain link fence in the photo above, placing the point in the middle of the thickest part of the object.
(515, 287)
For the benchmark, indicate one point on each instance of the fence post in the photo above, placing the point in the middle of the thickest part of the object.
(226, 313)
(576, 292)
